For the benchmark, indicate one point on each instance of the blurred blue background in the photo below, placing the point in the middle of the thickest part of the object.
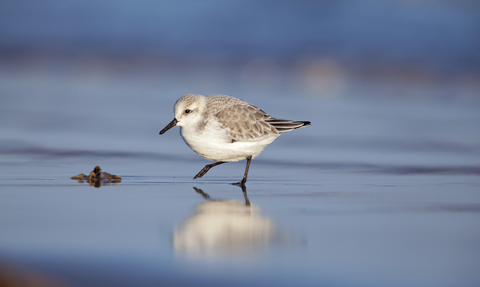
(64, 62)
(312, 47)
(381, 189)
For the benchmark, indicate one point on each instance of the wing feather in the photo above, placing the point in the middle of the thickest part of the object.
(246, 122)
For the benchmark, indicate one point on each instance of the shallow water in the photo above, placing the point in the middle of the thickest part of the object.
(377, 191)
(341, 229)
(383, 189)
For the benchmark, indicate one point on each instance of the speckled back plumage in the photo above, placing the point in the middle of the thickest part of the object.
(244, 121)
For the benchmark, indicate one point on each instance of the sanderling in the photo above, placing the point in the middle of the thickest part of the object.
(225, 129)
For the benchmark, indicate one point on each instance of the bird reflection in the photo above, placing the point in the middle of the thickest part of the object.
(222, 229)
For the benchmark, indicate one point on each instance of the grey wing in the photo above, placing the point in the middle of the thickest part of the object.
(245, 122)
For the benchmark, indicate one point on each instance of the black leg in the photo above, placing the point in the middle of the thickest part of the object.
(207, 168)
(242, 183)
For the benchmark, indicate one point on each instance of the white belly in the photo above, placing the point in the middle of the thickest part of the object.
(213, 144)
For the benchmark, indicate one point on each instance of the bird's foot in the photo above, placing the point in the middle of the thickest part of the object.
(240, 183)
(206, 169)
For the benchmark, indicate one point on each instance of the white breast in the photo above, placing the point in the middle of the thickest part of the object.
(212, 143)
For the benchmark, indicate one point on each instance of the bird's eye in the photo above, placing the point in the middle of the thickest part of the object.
(187, 111)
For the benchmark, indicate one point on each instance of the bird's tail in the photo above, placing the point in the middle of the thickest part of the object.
(284, 126)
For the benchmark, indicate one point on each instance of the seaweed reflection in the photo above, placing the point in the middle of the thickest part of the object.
(223, 228)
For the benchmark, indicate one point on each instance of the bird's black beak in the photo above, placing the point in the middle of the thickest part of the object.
(169, 126)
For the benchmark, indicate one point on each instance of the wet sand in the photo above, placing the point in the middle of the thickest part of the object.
(342, 229)
(324, 210)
